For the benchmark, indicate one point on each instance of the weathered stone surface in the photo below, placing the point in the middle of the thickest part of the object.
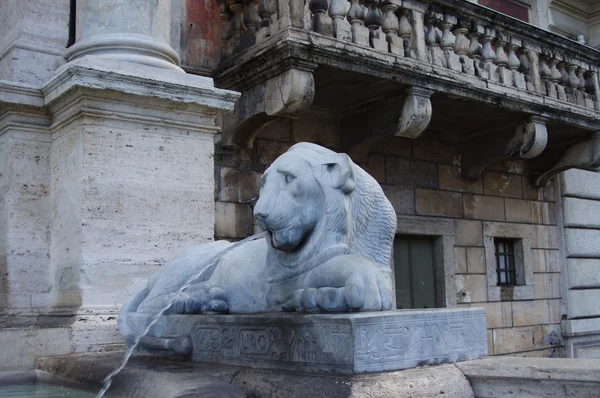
(237, 186)
(471, 288)
(527, 313)
(525, 211)
(433, 150)
(376, 167)
(546, 285)
(233, 220)
(168, 378)
(583, 272)
(461, 260)
(432, 202)
(533, 377)
(469, 233)
(402, 199)
(580, 184)
(451, 180)
(544, 237)
(582, 213)
(409, 174)
(347, 344)
(484, 207)
(476, 260)
(584, 303)
(502, 184)
(20, 347)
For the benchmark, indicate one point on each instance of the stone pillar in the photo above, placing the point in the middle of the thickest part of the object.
(33, 39)
(135, 31)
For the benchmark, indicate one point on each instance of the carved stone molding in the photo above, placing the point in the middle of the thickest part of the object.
(287, 94)
(527, 141)
(583, 155)
(404, 116)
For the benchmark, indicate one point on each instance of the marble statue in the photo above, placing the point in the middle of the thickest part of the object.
(327, 244)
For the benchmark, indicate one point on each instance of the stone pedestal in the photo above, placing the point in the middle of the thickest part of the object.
(352, 343)
(132, 182)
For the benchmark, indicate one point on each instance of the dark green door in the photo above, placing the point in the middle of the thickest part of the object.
(414, 272)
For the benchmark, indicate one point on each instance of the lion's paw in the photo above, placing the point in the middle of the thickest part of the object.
(203, 298)
(360, 293)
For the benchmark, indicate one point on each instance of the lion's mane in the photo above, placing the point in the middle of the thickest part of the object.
(359, 211)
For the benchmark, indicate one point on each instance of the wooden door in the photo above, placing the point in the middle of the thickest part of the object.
(414, 264)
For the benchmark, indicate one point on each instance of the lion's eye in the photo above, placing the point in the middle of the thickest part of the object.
(289, 178)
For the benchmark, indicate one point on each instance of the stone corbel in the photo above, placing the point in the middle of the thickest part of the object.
(583, 155)
(404, 116)
(287, 94)
(526, 141)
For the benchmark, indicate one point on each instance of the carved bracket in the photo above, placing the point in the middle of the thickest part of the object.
(287, 94)
(404, 116)
(527, 141)
(583, 155)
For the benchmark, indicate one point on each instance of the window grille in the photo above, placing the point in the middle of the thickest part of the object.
(505, 262)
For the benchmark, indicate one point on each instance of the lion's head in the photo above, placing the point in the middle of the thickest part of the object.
(315, 204)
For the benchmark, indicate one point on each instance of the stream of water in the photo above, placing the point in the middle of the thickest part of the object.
(108, 379)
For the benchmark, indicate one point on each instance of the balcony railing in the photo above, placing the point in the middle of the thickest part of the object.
(456, 35)
(454, 49)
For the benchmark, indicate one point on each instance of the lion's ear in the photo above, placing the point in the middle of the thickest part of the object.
(339, 173)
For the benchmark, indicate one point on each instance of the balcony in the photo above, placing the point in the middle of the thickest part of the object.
(489, 84)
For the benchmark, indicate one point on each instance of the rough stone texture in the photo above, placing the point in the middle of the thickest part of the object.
(161, 378)
(34, 36)
(582, 213)
(532, 377)
(527, 313)
(451, 180)
(484, 207)
(20, 347)
(433, 202)
(502, 184)
(347, 344)
(402, 199)
(584, 273)
(409, 174)
(233, 220)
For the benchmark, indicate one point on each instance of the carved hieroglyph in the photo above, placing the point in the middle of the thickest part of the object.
(329, 233)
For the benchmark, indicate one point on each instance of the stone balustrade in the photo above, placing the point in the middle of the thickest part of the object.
(462, 37)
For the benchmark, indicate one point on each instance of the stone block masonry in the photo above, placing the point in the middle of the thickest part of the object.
(422, 180)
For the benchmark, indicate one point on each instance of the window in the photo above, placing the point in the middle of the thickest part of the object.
(508, 261)
(415, 276)
(505, 262)
(512, 8)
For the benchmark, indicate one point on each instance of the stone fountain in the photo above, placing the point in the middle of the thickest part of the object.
(313, 293)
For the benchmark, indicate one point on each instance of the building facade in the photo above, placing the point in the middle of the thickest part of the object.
(479, 120)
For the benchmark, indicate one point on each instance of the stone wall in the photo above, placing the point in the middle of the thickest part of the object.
(421, 179)
(580, 196)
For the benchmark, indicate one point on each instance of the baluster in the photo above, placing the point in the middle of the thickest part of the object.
(503, 73)
(581, 76)
(447, 42)
(405, 31)
(432, 38)
(574, 94)
(238, 9)
(321, 22)
(488, 55)
(266, 9)
(525, 69)
(251, 18)
(518, 80)
(563, 82)
(546, 74)
(554, 77)
(589, 89)
(390, 28)
(475, 47)
(461, 48)
(373, 21)
(341, 27)
(226, 32)
(356, 16)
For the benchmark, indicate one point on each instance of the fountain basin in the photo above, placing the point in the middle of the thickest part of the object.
(349, 343)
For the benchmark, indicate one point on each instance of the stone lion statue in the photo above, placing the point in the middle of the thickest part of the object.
(327, 245)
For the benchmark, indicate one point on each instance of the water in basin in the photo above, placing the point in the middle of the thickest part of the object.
(40, 390)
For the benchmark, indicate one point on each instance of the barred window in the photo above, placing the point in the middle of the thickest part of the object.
(505, 262)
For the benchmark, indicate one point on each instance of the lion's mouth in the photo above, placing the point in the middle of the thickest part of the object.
(286, 240)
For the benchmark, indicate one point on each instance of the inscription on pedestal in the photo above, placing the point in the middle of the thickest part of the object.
(344, 343)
